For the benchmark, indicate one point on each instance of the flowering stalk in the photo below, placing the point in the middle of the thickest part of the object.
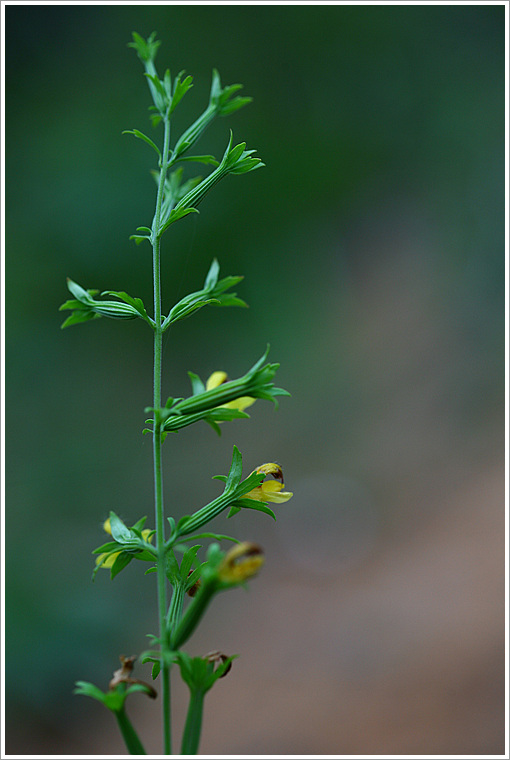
(217, 401)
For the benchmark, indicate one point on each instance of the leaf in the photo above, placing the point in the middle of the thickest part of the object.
(78, 292)
(138, 238)
(79, 316)
(197, 385)
(146, 49)
(234, 105)
(141, 136)
(180, 89)
(252, 504)
(157, 84)
(172, 567)
(136, 303)
(139, 524)
(167, 83)
(176, 214)
(211, 160)
(236, 469)
(212, 275)
(185, 308)
(111, 546)
(216, 536)
(120, 531)
(87, 689)
(120, 563)
(187, 561)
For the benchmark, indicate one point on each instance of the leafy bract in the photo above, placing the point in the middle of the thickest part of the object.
(213, 292)
(86, 307)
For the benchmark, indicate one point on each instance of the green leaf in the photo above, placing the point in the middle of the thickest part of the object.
(236, 469)
(180, 89)
(252, 504)
(110, 546)
(86, 689)
(139, 524)
(212, 275)
(213, 293)
(187, 561)
(120, 531)
(120, 563)
(79, 316)
(78, 292)
(86, 305)
(158, 84)
(216, 536)
(234, 105)
(175, 215)
(172, 568)
(211, 160)
(141, 136)
(139, 238)
(146, 49)
(167, 83)
(185, 308)
(197, 385)
(136, 303)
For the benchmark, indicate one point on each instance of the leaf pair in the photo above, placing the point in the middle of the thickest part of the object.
(236, 160)
(213, 292)
(86, 307)
(256, 383)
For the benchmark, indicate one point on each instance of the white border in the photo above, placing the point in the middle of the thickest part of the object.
(505, 3)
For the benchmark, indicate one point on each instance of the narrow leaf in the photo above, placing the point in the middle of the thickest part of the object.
(141, 136)
(235, 472)
(120, 563)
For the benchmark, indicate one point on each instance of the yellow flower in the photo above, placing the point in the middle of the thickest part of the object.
(270, 490)
(111, 559)
(216, 379)
(240, 563)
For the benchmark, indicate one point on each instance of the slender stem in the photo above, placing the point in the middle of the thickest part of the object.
(193, 727)
(129, 734)
(158, 474)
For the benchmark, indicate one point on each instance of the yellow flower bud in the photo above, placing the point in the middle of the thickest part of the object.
(270, 490)
(240, 563)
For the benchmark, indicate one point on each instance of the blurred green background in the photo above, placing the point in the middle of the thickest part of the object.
(372, 246)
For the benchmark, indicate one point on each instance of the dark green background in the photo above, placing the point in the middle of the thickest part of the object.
(372, 246)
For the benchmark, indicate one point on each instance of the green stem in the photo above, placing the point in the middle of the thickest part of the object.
(193, 615)
(158, 474)
(129, 734)
(193, 727)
